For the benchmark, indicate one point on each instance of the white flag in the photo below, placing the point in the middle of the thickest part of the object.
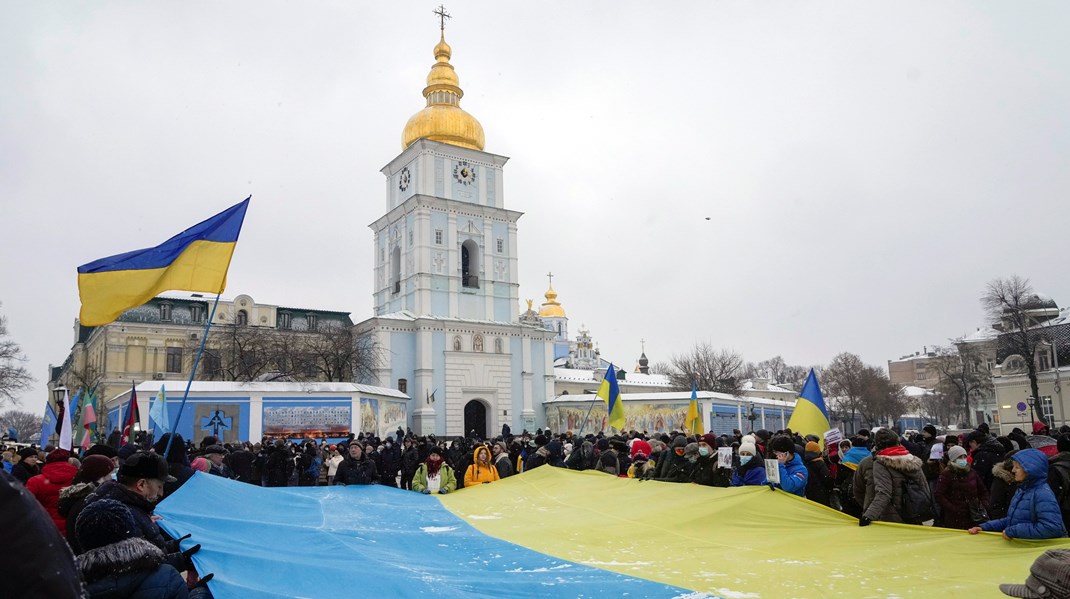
(65, 426)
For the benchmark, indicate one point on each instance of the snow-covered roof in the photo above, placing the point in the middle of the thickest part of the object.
(408, 316)
(676, 396)
(912, 391)
(174, 388)
(981, 334)
(748, 385)
(577, 375)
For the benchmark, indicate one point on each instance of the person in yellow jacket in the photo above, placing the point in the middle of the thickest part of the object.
(481, 470)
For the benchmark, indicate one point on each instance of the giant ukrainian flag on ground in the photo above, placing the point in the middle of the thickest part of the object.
(194, 260)
(810, 415)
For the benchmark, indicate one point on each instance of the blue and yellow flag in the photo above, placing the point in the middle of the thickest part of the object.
(693, 421)
(610, 393)
(810, 415)
(194, 260)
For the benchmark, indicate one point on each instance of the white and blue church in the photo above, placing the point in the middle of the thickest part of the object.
(446, 293)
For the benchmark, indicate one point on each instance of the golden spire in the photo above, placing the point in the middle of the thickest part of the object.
(551, 307)
(442, 118)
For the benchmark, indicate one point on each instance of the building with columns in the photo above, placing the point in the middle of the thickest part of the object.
(445, 278)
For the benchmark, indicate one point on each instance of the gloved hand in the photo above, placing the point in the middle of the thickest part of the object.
(203, 582)
(443, 491)
(772, 486)
(864, 521)
(188, 554)
(174, 547)
(426, 491)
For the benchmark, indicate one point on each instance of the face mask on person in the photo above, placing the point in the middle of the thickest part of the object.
(743, 459)
(961, 463)
(692, 458)
(703, 451)
(679, 451)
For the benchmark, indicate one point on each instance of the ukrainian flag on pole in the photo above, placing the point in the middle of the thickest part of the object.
(610, 393)
(196, 259)
(693, 422)
(810, 415)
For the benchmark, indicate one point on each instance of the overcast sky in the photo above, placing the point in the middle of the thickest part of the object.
(794, 178)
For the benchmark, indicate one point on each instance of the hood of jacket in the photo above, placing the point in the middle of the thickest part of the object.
(129, 555)
(991, 446)
(59, 473)
(905, 462)
(483, 448)
(1035, 464)
(77, 491)
(1003, 473)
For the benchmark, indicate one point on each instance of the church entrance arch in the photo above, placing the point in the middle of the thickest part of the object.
(475, 418)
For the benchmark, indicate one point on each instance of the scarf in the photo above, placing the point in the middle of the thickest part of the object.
(896, 450)
(433, 466)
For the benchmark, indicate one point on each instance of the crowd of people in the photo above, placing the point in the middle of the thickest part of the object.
(100, 505)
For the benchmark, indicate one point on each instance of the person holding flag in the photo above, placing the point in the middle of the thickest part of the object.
(609, 391)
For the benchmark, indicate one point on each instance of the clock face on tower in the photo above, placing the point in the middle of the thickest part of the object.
(403, 179)
(464, 173)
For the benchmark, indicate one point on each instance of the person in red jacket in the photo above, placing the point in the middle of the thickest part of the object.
(57, 474)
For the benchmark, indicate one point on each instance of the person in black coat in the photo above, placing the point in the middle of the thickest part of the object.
(410, 461)
(819, 482)
(49, 571)
(241, 464)
(986, 452)
(177, 462)
(118, 563)
(356, 468)
(390, 459)
(280, 465)
(27, 467)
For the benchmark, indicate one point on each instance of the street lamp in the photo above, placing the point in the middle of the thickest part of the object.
(57, 398)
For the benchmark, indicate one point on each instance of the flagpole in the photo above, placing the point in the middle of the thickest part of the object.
(192, 373)
(585, 418)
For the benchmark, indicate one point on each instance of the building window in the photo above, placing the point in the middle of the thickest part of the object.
(395, 269)
(438, 236)
(196, 313)
(1046, 409)
(410, 237)
(470, 264)
(242, 318)
(284, 320)
(1043, 361)
(501, 245)
(165, 312)
(403, 385)
(211, 365)
(312, 322)
(174, 359)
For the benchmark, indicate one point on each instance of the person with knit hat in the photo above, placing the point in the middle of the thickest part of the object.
(751, 469)
(57, 474)
(119, 563)
(880, 479)
(1034, 512)
(481, 471)
(434, 475)
(793, 473)
(95, 469)
(819, 482)
(356, 468)
(960, 493)
(27, 466)
(642, 466)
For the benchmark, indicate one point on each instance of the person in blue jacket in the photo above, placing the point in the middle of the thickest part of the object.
(751, 470)
(1034, 512)
(793, 474)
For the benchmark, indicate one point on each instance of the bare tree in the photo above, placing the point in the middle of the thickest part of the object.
(882, 400)
(1007, 303)
(661, 368)
(778, 372)
(939, 407)
(963, 377)
(14, 377)
(844, 379)
(26, 423)
(708, 368)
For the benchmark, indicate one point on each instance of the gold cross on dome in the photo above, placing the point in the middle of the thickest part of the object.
(442, 16)
(551, 277)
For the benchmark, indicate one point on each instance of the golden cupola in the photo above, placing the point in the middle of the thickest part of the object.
(442, 119)
(551, 308)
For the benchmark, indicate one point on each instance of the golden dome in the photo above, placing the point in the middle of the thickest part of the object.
(442, 119)
(551, 308)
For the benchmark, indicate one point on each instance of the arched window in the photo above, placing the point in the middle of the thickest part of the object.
(403, 385)
(395, 269)
(470, 264)
(242, 318)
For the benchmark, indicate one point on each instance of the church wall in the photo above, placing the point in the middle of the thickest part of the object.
(538, 381)
(438, 377)
(402, 358)
(440, 179)
(516, 349)
(440, 300)
(490, 187)
(504, 310)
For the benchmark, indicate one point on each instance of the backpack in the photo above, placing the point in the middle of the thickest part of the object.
(917, 502)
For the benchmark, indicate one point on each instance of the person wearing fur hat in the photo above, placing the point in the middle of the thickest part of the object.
(1034, 512)
(481, 471)
(793, 473)
(880, 479)
(1003, 487)
(434, 475)
(57, 474)
(960, 493)
(819, 480)
(751, 469)
(119, 563)
(27, 466)
(95, 469)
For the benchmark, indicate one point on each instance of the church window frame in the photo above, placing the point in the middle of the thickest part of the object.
(241, 318)
(395, 270)
(438, 236)
(500, 245)
(403, 385)
(470, 264)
